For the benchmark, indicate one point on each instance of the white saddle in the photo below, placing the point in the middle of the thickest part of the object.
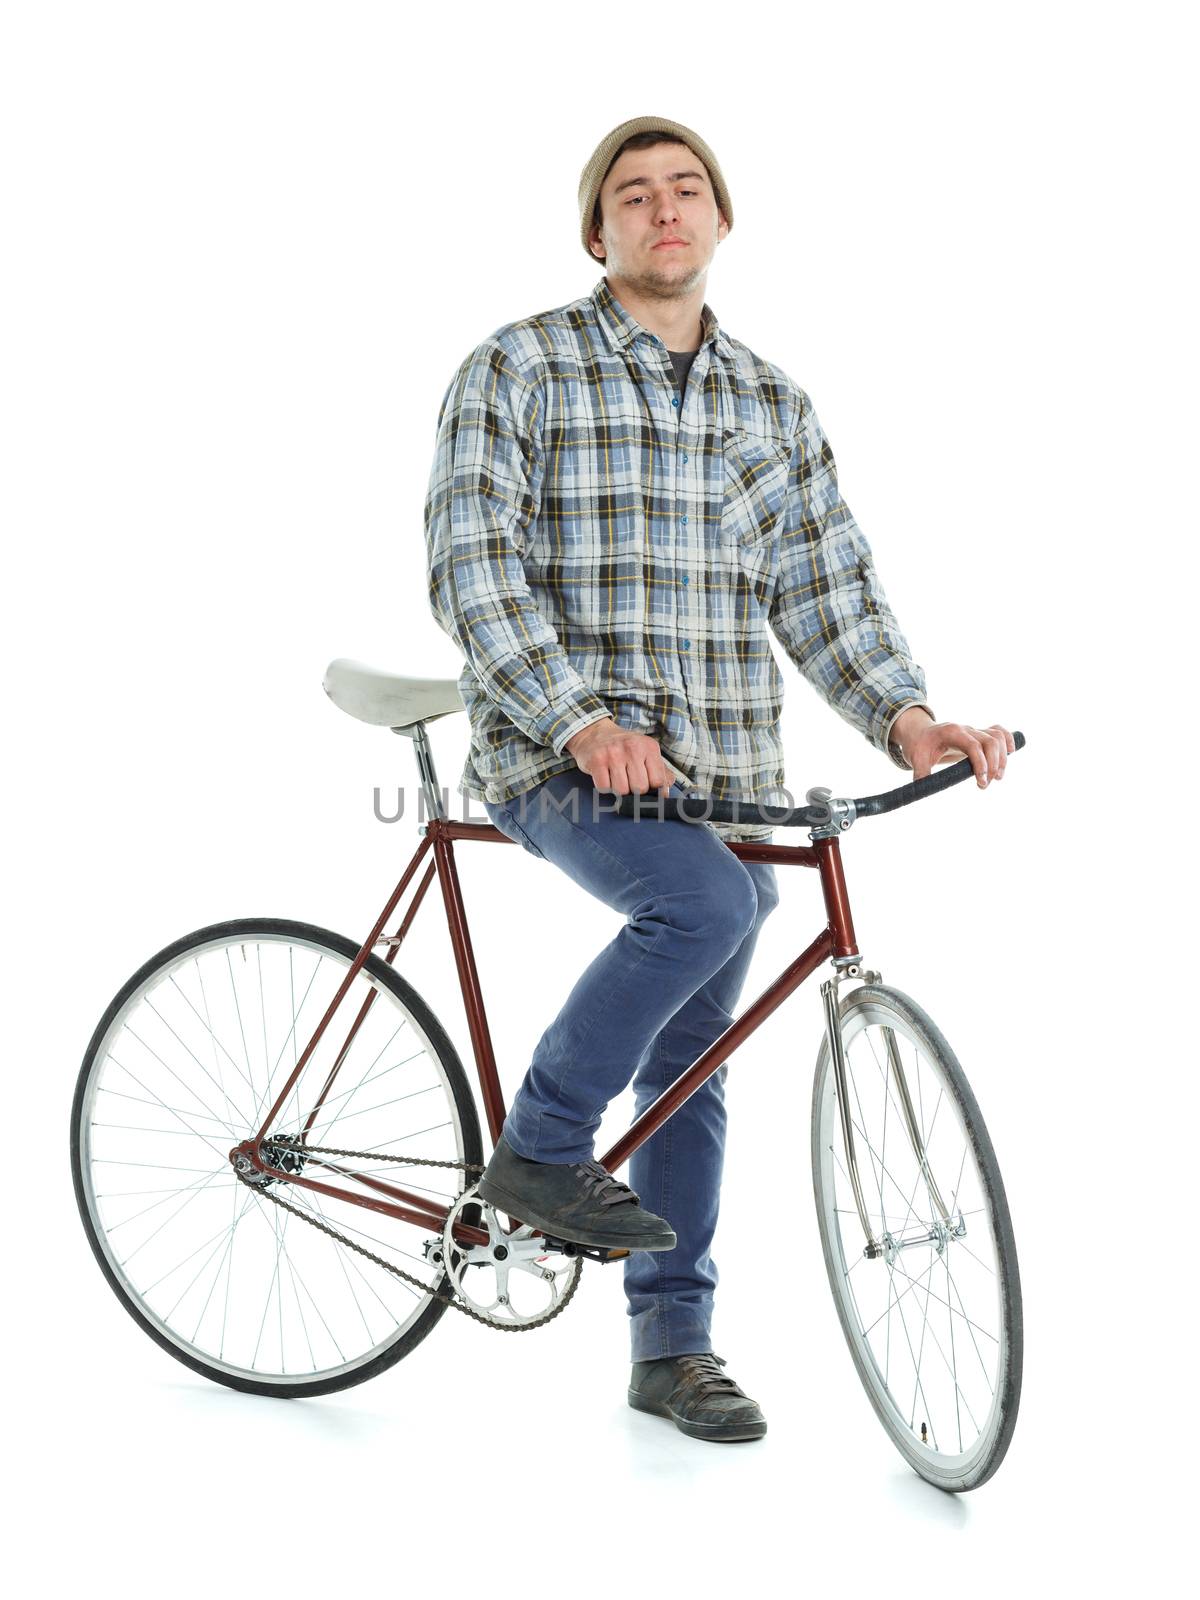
(386, 700)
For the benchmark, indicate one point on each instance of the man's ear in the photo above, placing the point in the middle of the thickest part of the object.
(722, 225)
(594, 240)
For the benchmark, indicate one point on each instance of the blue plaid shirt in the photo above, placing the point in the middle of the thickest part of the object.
(599, 547)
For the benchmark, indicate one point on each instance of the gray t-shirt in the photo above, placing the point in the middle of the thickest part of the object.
(682, 360)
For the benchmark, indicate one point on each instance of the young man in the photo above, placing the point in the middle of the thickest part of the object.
(623, 499)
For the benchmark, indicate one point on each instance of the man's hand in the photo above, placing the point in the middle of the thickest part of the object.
(924, 743)
(614, 758)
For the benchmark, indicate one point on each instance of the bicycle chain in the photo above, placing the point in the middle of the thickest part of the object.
(399, 1272)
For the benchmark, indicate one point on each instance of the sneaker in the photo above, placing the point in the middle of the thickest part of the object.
(697, 1396)
(580, 1202)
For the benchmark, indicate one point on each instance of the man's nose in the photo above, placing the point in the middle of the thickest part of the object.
(665, 209)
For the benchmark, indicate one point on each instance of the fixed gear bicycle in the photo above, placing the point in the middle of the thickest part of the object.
(275, 1146)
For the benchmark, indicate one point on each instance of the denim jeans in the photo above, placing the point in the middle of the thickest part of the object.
(646, 1007)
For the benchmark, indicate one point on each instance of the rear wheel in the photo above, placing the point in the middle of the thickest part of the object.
(934, 1323)
(184, 1065)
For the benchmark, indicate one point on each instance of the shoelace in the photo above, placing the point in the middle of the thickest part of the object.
(603, 1186)
(703, 1373)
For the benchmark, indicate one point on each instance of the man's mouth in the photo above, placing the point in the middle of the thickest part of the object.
(665, 244)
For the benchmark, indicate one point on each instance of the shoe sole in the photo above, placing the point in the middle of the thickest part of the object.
(719, 1432)
(500, 1200)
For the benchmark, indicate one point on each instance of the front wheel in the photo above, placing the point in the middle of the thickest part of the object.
(185, 1065)
(934, 1321)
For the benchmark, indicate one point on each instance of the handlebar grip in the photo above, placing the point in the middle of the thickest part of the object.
(875, 805)
(703, 808)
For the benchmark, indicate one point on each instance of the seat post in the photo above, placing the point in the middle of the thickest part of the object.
(434, 809)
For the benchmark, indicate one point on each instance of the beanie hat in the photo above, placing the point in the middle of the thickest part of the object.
(599, 161)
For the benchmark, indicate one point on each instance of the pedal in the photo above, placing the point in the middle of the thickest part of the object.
(593, 1252)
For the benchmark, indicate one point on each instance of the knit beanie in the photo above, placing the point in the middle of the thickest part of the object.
(599, 161)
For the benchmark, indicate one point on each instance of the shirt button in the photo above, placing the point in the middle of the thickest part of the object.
(674, 399)
(687, 644)
(684, 579)
(685, 458)
(683, 518)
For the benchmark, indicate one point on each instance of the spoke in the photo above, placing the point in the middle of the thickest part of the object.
(960, 1245)
(305, 1196)
(365, 1111)
(916, 1282)
(237, 1006)
(127, 1194)
(228, 1279)
(210, 1115)
(138, 1099)
(369, 1238)
(217, 1149)
(958, 1181)
(340, 1256)
(278, 1247)
(159, 1133)
(262, 1011)
(972, 1328)
(951, 1371)
(167, 1194)
(291, 1033)
(366, 1077)
(312, 1355)
(216, 1280)
(211, 1031)
(912, 1284)
(924, 1329)
(346, 1093)
(920, 1172)
(158, 1166)
(192, 1192)
(153, 1009)
(404, 1137)
(218, 1235)
(891, 1179)
(162, 1278)
(917, 1369)
(216, 1043)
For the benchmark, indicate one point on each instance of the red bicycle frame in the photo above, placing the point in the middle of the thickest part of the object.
(835, 940)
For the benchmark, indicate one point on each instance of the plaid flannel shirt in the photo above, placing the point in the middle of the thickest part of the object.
(599, 547)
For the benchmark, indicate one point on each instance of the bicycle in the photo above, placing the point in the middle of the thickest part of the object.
(212, 1213)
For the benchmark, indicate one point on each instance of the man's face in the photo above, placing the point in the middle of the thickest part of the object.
(661, 223)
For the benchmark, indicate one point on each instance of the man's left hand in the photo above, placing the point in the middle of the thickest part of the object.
(924, 743)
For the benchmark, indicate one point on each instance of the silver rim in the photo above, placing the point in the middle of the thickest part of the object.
(187, 1069)
(926, 1323)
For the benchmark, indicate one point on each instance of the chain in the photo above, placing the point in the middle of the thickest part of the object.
(399, 1272)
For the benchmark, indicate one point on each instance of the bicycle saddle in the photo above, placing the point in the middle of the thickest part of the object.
(384, 698)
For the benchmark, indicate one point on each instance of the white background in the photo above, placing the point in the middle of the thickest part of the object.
(246, 247)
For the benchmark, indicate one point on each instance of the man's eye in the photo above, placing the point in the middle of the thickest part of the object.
(635, 198)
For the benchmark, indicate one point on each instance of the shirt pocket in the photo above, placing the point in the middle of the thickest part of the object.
(757, 472)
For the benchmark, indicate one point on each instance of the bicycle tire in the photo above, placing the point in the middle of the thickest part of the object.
(379, 972)
(882, 1001)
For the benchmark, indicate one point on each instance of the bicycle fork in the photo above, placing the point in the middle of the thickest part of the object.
(890, 1245)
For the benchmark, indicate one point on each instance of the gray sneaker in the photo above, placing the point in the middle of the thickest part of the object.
(579, 1202)
(699, 1398)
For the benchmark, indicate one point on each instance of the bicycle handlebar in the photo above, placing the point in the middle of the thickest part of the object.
(703, 808)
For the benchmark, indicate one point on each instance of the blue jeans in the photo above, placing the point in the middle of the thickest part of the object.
(647, 1006)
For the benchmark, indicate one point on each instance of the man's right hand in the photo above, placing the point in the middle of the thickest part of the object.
(614, 758)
